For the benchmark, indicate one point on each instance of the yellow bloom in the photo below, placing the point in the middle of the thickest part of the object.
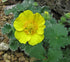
(46, 12)
(29, 28)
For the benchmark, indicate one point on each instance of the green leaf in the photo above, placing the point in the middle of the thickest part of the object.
(35, 9)
(14, 44)
(63, 19)
(22, 46)
(49, 32)
(35, 51)
(68, 21)
(45, 60)
(7, 12)
(69, 29)
(35, 4)
(69, 39)
(6, 29)
(52, 20)
(19, 7)
(48, 24)
(11, 35)
(54, 55)
(16, 14)
(67, 15)
(57, 35)
(60, 30)
(59, 42)
(27, 3)
(66, 55)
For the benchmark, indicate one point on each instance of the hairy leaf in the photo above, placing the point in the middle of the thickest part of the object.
(14, 44)
(35, 51)
(6, 29)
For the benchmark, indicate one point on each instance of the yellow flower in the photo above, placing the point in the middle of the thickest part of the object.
(46, 12)
(29, 28)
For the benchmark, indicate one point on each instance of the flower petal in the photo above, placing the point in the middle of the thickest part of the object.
(22, 36)
(23, 17)
(28, 15)
(39, 19)
(35, 39)
(18, 24)
(41, 29)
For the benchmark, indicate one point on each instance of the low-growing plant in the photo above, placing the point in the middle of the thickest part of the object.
(50, 44)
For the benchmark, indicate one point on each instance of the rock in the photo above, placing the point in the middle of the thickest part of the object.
(1, 58)
(4, 46)
(9, 57)
(5, 40)
(5, 56)
(1, 38)
(0, 8)
(19, 54)
(32, 59)
(26, 61)
(21, 59)
(1, 53)
(7, 60)
(14, 59)
(2, 61)
(10, 7)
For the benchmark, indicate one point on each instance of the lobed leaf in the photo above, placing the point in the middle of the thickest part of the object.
(37, 51)
(14, 44)
(6, 29)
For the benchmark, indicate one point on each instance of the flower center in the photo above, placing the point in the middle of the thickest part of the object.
(30, 27)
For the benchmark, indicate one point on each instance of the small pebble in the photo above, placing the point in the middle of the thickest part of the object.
(9, 57)
(19, 54)
(32, 59)
(2, 61)
(1, 58)
(5, 56)
(26, 61)
(1, 53)
(21, 59)
(7, 60)
(4, 46)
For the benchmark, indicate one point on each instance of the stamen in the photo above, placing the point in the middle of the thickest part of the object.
(30, 27)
